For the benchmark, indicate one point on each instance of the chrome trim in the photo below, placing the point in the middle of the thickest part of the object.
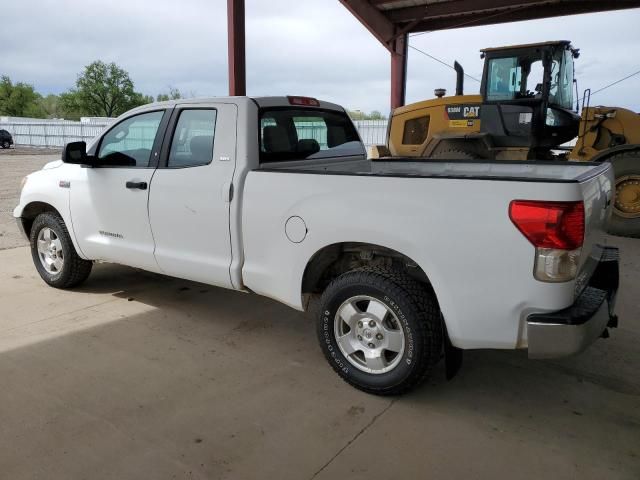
(552, 340)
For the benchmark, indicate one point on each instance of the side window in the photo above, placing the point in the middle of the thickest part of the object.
(130, 142)
(504, 78)
(192, 143)
(415, 131)
(535, 78)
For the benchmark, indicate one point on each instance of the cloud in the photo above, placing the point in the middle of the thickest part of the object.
(312, 48)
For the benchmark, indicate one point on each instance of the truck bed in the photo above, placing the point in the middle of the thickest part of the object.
(526, 171)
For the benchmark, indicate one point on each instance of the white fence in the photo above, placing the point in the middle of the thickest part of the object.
(51, 133)
(56, 133)
(372, 132)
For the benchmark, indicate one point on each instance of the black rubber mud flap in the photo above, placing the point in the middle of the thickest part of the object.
(452, 356)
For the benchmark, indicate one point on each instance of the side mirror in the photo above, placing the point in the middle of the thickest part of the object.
(76, 153)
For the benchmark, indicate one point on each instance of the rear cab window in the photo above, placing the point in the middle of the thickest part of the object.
(299, 133)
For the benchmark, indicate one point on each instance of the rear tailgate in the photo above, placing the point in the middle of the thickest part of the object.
(597, 191)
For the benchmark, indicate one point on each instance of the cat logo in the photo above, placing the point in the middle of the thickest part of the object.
(471, 112)
(463, 112)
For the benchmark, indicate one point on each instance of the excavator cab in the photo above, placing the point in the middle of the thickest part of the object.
(528, 96)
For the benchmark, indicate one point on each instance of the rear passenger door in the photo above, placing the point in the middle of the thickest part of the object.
(190, 194)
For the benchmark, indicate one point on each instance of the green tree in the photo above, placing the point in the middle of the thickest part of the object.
(174, 94)
(102, 90)
(19, 99)
(360, 115)
(50, 106)
(70, 106)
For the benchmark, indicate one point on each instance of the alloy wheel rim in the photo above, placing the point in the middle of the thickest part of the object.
(50, 251)
(369, 334)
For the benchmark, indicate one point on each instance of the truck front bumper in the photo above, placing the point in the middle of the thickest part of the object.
(571, 330)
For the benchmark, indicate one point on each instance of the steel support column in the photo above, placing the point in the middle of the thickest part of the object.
(399, 54)
(237, 62)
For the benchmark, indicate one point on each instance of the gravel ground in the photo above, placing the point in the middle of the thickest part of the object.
(15, 163)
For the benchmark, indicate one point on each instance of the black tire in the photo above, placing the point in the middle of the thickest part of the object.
(624, 164)
(417, 312)
(74, 270)
(455, 154)
(6, 144)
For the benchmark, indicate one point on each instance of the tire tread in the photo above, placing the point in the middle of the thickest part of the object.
(78, 269)
(398, 283)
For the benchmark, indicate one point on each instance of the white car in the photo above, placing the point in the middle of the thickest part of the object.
(409, 260)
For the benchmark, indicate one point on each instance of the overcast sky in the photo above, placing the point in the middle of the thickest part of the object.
(311, 47)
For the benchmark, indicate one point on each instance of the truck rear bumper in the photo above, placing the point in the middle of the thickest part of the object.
(571, 330)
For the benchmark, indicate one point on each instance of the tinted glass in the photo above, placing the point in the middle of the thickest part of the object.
(129, 143)
(298, 134)
(192, 142)
(415, 131)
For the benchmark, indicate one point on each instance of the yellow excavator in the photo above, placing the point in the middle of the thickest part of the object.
(526, 110)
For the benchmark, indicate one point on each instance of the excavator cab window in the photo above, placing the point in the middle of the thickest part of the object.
(528, 96)
(513, 78)
(505, 77)
(561, 88)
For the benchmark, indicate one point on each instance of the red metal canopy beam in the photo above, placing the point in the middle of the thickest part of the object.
(372, 18)
(236, 51)
(394, 39)
(399, 71)
(461, 7)
(472, 13)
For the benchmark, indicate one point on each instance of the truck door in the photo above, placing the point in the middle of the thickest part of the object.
(190, 194)
(108, 203)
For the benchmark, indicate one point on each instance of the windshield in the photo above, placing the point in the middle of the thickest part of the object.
(561, 90)
(306, 133)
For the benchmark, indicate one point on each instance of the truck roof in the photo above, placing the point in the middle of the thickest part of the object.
(262, 102)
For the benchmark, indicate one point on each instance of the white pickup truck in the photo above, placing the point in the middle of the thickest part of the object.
(407, 260)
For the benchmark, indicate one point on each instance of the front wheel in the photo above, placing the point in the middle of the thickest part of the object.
(54, 255)
(380, 330)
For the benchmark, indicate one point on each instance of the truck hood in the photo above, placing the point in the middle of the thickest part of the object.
(54, 164)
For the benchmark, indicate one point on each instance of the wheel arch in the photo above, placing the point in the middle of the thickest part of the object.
(31, 211)
(335, 259)
(607, 154)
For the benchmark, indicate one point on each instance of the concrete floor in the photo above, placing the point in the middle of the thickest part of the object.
(136, 375)
(15, 163)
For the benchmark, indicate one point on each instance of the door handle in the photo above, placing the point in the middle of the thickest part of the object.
(138, 185)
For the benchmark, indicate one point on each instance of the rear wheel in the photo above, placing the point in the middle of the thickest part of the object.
(54, 255)
(6, 144)
(380, 330)
(625, 218)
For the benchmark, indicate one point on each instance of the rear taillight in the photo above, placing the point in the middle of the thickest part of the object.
(556, 229)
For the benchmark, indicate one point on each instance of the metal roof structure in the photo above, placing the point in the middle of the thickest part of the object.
(409, 16)
(390, 21)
